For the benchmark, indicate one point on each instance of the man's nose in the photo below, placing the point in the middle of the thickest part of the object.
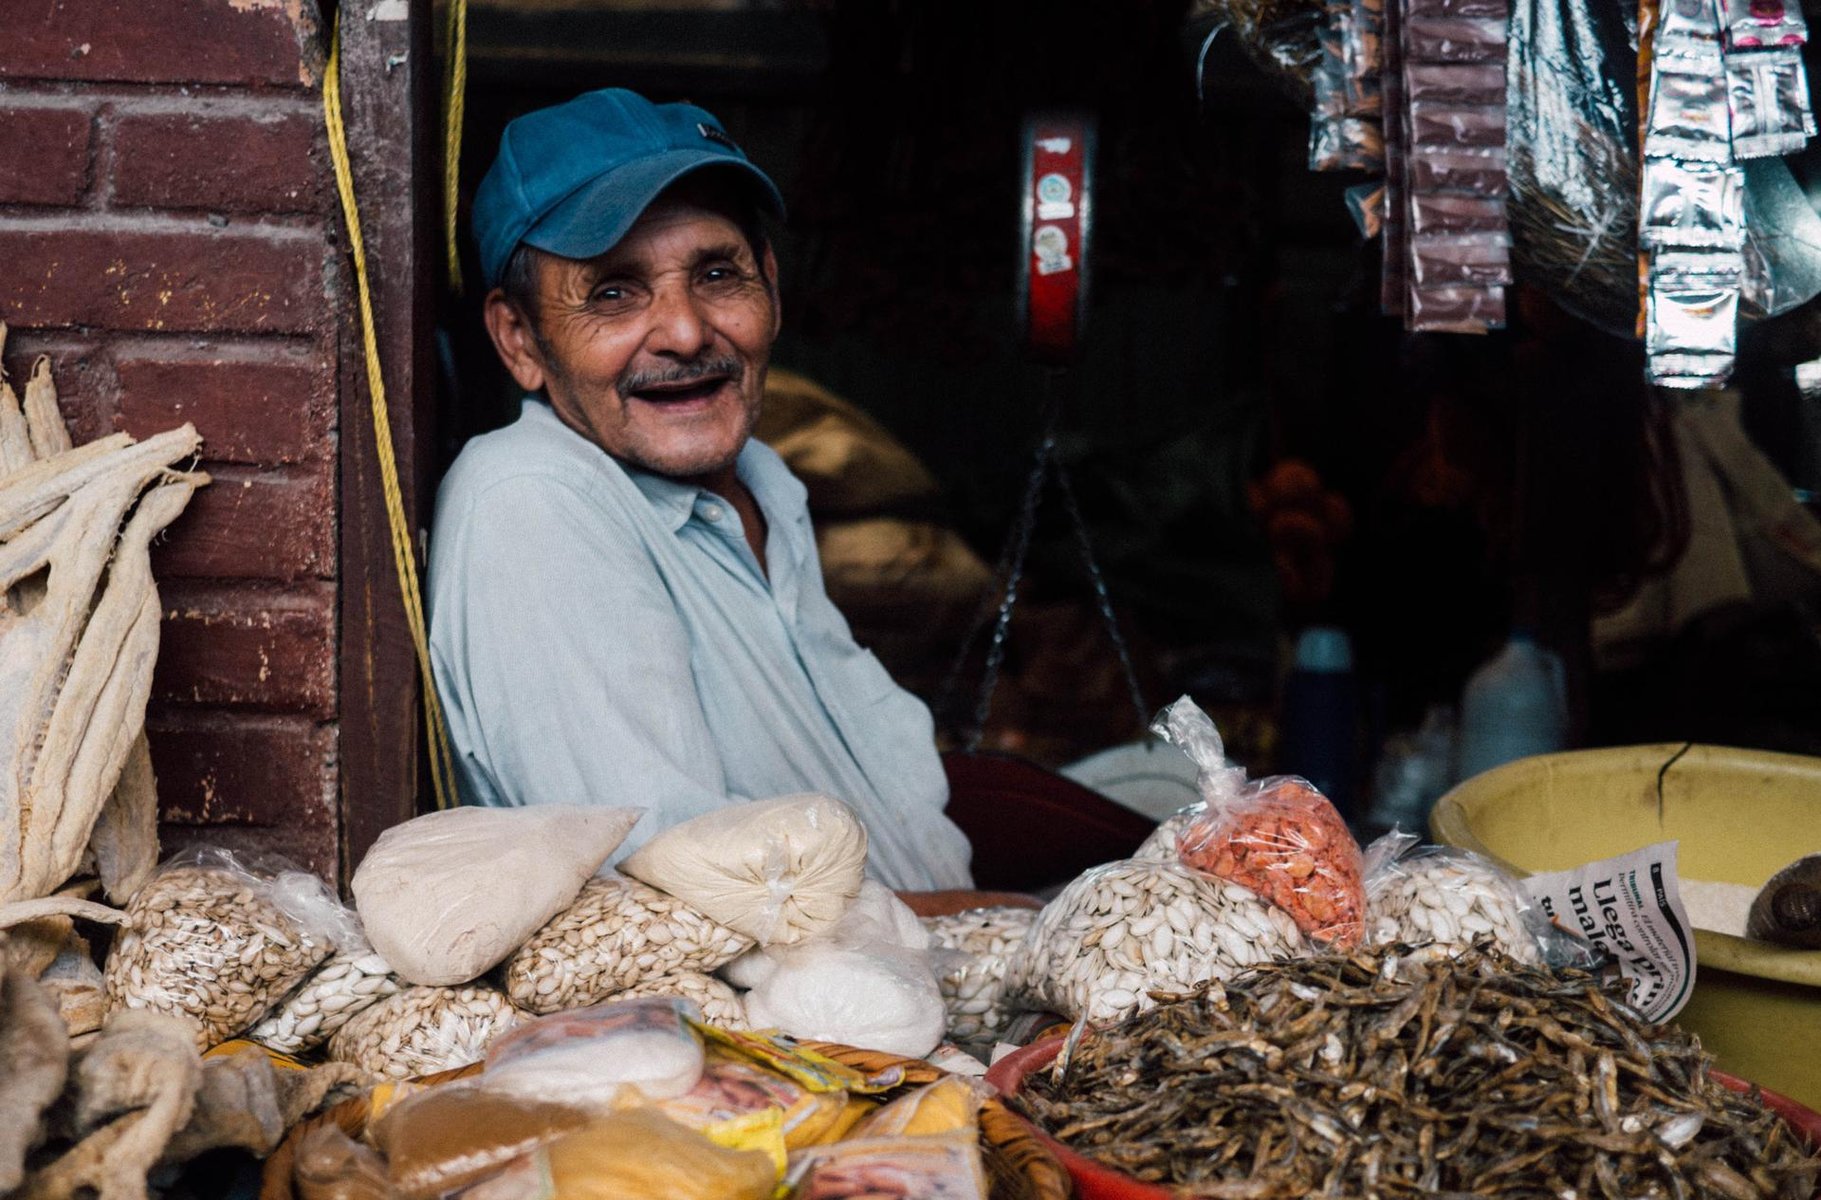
(679, 323)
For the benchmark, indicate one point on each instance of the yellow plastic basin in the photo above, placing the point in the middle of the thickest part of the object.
(1740, 816)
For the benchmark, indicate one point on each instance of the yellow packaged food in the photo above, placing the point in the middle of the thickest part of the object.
(817, 1072)
(732, 1087)
(232, 1046)
(447, 1137)
(949, 1105)
(636, 1154)
(908, 1168)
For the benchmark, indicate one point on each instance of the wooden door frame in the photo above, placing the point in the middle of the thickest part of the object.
(390, 110)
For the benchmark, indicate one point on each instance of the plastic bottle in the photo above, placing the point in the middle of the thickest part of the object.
(1321, 716)
(1515, 705)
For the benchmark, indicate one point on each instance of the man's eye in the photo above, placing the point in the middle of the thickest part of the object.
(608, 293)
(720, 274)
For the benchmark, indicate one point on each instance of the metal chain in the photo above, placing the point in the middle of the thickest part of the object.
(1009, 575)
(1101, 598)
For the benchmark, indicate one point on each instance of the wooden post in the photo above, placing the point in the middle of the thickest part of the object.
(387, 71)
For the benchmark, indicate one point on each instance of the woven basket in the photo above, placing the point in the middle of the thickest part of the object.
(1018, 1165)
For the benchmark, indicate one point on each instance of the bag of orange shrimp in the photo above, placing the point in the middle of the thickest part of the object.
(1277, 836)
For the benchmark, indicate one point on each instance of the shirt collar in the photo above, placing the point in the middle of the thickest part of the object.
(777, 491)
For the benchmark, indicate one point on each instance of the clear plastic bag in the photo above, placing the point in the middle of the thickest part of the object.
(1278, 838)
(869, 980)
(779, 871)
(423, 1030)
(908, 1168)
(604, 1056)
(980, 944)
(446, 1137)
(617, 934)
(218, 939)
(1440, 900)
(1120, 931)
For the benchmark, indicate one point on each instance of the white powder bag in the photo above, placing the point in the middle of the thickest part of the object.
(778, 871)
(449, 895)
(878, 999)
(869, 981)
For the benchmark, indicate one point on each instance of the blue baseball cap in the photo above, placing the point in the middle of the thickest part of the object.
(573, 178)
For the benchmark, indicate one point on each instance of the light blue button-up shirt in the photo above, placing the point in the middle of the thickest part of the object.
(603, 635)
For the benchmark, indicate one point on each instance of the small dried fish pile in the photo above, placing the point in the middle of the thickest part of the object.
(1373, 1076)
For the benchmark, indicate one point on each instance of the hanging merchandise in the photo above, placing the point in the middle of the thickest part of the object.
(1450, 163)
(1726, 86)
(1345, 130)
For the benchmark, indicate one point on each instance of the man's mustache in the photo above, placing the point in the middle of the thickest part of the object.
(683, 373)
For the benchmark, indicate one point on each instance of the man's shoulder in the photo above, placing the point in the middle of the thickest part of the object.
(533, 456)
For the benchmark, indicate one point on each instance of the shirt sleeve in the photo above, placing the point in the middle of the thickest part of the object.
(561, 662)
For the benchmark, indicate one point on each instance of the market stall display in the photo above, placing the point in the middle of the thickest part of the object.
(449, 1134)
(1467, 1074)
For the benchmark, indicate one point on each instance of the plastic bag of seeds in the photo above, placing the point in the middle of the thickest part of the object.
(218, 939)
(618, 934)
(981, 943)
(355, 978)
(721, 1006)
(1279, 837)
(1440, 900)
(1123, 930)
(422, 1030)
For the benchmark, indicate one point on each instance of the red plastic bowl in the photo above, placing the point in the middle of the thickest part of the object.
(1095, 1182)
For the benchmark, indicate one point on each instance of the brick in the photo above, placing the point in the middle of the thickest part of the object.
(246, 781)
(44, 154)
(264, 648)
(181, 279)
(272, 163)
(270, 42)
(84, 378)
(252, 524)
(279, 409)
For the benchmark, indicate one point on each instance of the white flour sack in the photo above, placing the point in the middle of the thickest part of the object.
(448, 895)
(778, 871)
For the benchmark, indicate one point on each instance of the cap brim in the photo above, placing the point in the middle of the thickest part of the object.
(597, 215)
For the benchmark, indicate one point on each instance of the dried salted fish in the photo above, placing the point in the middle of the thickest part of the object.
(1371, 1076)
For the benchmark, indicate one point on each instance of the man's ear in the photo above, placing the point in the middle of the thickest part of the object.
(771, 283)
(513, 338)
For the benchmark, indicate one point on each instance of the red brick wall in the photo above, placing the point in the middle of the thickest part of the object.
(167, 235)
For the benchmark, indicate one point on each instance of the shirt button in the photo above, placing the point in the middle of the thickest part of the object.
(711, 512)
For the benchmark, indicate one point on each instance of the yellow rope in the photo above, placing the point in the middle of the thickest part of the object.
(442, 765)
(455, 76)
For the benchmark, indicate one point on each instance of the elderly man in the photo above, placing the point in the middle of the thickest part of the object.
(626, 603)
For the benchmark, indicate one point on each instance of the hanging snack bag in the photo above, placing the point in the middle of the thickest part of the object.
(218, 940)
(1278, 837)
(1441, 900)
(629, 1051)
